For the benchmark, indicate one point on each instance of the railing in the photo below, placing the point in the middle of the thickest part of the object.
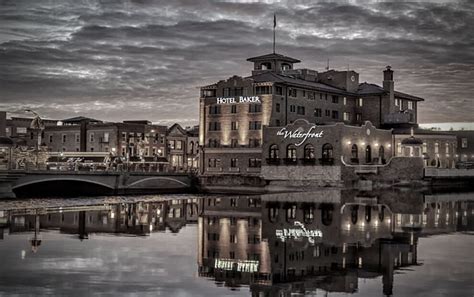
(300, 161)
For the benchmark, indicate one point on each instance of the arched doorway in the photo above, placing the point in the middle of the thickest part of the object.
(368, 154)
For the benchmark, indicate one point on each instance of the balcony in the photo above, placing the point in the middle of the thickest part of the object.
(234, 169)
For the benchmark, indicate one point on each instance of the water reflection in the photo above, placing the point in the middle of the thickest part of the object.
(278, 244)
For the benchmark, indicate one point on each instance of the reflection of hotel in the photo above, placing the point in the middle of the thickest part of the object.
(362, 237)
(234, 113)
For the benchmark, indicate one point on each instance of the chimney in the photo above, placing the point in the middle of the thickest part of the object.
(3, 123)
(388, 85)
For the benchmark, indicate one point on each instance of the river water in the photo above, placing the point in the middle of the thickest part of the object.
(326, 243)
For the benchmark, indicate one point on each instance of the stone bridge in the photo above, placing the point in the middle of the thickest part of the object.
(32, 183)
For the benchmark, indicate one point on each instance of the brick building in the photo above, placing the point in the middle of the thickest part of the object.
(234, 111)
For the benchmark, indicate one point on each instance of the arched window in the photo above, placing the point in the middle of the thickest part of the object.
(273, 213)
(382, 154)
(368, 154)
(354, 214)
(266, 66)
(354, 152)
(291, 212)
(309, 151)
(368, 213)
(327, 151)
(273, 153)
(381, 213)
(291, 153)
(327, 211)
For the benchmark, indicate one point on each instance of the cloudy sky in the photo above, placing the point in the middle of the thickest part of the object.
(144, 59)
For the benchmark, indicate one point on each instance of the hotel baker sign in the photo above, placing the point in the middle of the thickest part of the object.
(240, 99)
(300, 134)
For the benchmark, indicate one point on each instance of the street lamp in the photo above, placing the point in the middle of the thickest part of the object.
(38, 125)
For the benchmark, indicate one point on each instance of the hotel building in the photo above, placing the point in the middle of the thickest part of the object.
(233, 112)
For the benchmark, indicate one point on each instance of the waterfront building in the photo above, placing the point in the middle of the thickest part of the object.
(20, 131)
(233, 112)
(183, 147)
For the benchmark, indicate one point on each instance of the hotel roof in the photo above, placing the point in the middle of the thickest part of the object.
(274, 56)
(373, 89)
(275, 77)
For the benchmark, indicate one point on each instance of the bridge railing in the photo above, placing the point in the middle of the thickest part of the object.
(102, 167)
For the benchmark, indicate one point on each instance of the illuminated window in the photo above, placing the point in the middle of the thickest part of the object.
(410, 105)
(291, 153)
(360, 102)
(347, 116)
(254, 108)
(234, 126)
(274, 152)
(255, 125)
(318, 112)
(277, 107)
(233, 109)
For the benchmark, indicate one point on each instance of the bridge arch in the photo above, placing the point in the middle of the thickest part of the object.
(157, 178)
(61, 186)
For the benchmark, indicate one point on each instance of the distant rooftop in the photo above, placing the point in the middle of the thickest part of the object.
(454, 126)
(274, 56)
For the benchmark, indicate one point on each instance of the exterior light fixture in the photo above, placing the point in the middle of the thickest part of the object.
(363, 143)
(389, 145)
(349, 142)
(376, 144)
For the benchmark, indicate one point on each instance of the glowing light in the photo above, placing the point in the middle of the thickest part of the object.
(376, 144)
(151, 227)
(388, 221)
(363, 143)
(349, 226)
(389, 145)
(112, 214)
(349, 142)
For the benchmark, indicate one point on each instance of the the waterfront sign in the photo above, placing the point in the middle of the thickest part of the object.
(297, 233)
(300, 134)
(240, 99)
(236, 265)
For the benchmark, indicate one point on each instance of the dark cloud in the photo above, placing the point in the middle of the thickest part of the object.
(145, 59)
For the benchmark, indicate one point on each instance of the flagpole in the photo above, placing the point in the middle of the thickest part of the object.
(274, 26)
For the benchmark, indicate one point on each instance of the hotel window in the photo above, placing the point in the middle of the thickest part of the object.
(291, 153)
(106, 137)
(335, 114)
(277, 107)
(234, 142)
(21, 130)
(410, 105)
(234, 162)
(234, 126)
(279, 90)
(238, 91)
(303, 93)
(425, 147)
(326, 97)
(347, 116)
(147, 151)
(358, 117)
(255, 125)
(255, 162)
(171, 144)
(447, 148)
(214, 142)
(179, 144)
(309, 152)
(273, 152)
(292, 92)
(321, 96)
(91, 137)
(214, 126)
(254, 142)
(226, 92)
(345, 100)
(124, 136)
(214, 109)
(318, 112)
(463, 142)
(78, 139)
(214, 163)
(233, 109)
(253, 108)
(300, 110)
(277, 123)
(260, 90)
(327, 112)
(50, 138)
(436, 148)
(360, 102)
(209, 93)
(335, 99)
(233, 239)
(292, 108)
(64, 138)
(291, 212)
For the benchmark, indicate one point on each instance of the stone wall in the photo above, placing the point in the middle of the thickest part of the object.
(305, 176)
